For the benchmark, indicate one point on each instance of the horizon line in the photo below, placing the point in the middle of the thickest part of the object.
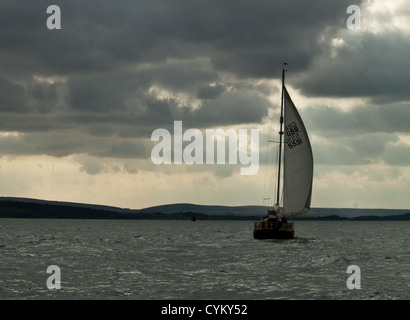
(185, 203)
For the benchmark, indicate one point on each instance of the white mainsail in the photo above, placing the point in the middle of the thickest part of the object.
(298, 162)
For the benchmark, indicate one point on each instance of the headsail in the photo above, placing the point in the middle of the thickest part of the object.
(298, 162)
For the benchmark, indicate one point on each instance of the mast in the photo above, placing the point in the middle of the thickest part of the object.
(281, 132)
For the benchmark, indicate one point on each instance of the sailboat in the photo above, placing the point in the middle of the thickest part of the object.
(297, 174)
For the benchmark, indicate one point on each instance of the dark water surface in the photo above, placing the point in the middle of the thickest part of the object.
(114, 259)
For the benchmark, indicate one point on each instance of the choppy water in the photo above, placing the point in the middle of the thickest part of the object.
(112, 259)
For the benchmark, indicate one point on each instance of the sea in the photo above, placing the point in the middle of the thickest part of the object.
(57, 259)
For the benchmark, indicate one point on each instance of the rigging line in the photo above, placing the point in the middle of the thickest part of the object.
(274, 152)
(271, 124)
(275, 173)
(268, 176)
(265, 175)
(271, 185)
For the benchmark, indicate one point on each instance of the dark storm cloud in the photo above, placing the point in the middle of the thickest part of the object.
(65, 143)
(244, 37)
(388, 118)
(360, 136)
(119, 70)
(210, 92)
(11, 97)
(365, 65)
(367, 149)
(243, 107)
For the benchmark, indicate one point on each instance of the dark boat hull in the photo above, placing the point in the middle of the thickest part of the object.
(276, 230)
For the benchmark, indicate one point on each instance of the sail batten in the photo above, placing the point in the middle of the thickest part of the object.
(298, 162)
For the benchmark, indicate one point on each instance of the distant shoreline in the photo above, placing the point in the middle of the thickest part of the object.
(41, 209)
(402, 217)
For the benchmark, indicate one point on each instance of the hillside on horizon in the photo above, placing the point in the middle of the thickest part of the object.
(34, 208)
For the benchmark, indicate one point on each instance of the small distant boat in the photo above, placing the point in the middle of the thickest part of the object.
(297, 174)
(193, 218)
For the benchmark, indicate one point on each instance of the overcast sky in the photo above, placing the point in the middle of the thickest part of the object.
(78, 104)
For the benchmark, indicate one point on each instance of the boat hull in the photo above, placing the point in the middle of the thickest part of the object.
(275, 230)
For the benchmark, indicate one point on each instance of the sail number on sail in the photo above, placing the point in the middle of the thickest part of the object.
(292, 135)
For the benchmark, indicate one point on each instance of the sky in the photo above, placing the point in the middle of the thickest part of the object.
(79, 104)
